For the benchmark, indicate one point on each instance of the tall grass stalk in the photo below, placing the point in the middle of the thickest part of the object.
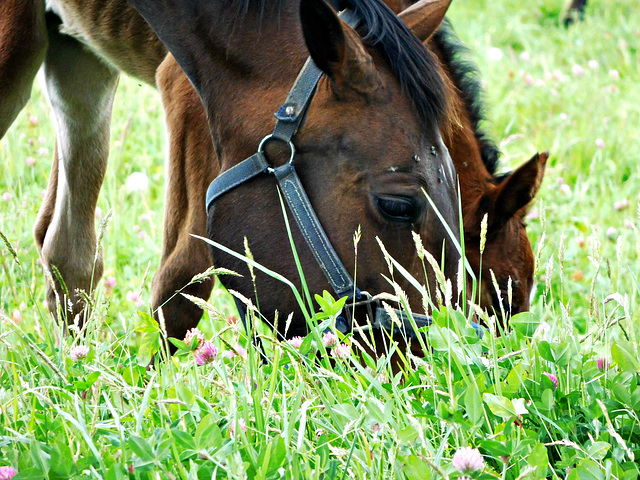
(125, 410)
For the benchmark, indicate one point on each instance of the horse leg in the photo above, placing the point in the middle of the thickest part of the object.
(23, 44)
(80, 88)
(190, 167)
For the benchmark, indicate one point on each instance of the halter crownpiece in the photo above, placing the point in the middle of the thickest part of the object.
(290, 117)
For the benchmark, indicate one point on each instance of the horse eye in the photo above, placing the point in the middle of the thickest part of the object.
(398, 209)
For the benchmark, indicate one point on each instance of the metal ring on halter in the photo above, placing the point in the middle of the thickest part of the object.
(271, 136)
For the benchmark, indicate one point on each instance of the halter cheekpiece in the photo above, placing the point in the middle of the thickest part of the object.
(290, 117)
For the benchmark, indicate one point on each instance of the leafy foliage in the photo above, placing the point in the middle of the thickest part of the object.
(306, 413)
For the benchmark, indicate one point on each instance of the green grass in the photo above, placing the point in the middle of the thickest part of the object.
(106, 414)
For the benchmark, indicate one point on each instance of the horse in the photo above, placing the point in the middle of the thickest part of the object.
(504, 198)
(521, 185)
(131, 46)
(365, 150)
(508, 253)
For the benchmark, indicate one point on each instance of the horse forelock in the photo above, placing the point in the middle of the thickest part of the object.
(466, 77)
(413, 65)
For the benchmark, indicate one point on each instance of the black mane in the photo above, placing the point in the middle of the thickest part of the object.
(411, 63)
(466, 77)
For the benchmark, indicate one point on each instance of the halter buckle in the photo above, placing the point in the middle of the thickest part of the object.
(343, 320)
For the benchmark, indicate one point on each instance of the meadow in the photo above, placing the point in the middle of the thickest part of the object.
(556, 396)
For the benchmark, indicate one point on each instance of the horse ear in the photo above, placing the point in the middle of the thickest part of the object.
(337, 49)
(520, 188)
(424, 17)
(323, 35)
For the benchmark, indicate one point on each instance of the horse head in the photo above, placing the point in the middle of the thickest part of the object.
(369, 147)
(507, 255)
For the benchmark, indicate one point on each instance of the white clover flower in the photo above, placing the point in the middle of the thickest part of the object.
(78, 352)
(137, 182)
(467, 460)
(494, 54)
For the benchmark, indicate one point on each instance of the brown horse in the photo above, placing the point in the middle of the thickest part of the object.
(130, 45)
(369, 146)
(507, 253)
(505, 200)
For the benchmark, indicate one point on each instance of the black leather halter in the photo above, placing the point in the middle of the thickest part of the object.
(290, 117)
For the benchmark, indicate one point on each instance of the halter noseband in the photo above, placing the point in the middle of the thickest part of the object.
(290, 117)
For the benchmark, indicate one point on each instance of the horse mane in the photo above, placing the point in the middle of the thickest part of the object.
(466, 78)
(412, 64)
